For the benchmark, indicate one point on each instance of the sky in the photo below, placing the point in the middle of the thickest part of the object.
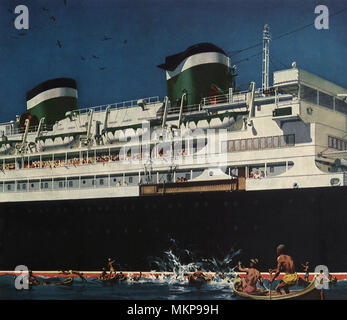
(144, 32)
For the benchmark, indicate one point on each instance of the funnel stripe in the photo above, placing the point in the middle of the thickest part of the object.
(199, 59)
(51, 94)
(51, 84)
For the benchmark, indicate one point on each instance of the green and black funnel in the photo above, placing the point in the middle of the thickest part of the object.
(200, 71)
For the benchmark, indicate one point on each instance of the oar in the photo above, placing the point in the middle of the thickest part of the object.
(270, 273)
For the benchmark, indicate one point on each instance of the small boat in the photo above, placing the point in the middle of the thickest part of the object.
(309, 292)
(114, 280)
(66, 282)
(197, 281)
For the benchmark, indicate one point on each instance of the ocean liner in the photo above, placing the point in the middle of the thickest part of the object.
(209, 165)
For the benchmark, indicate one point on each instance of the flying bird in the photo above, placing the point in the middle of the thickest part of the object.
(52, 18)
(102, 68)
(59, 44)
(106, 38)
(95, 57)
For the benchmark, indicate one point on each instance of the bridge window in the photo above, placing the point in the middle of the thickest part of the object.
(308, 94)
(325, 100)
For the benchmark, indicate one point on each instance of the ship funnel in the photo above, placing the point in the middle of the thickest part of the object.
(200, 71)
(52, 99)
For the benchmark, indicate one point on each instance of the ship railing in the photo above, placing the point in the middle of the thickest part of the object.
(239, 97)
(186, 109)
(119, 105)
(19, 130)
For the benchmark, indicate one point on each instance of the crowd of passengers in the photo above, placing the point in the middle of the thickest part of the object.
(77, 161)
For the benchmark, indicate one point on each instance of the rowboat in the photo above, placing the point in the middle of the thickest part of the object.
(197, 282)
(66, 282)
(309, 292)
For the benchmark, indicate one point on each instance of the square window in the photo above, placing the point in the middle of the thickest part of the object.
(262, 143)
(101, 182)
(243, 145)
(237, 145)
(230, 146)
(269, 142)
(249, 144)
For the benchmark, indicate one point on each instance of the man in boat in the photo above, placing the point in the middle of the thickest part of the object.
(285, 264)
(198, 274)
(32, 279)
(110, 265)
(306, 267)
(103, 275)
(120, 276)
(253, 276)
(71, 272)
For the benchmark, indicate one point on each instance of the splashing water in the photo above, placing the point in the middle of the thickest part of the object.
(172, 261)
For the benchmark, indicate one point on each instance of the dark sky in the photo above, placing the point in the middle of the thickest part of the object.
(144, 32)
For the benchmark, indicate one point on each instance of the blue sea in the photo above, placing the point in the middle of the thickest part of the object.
(144, 289)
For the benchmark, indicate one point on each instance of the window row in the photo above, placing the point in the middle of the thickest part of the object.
(337, 144)
(259, 143)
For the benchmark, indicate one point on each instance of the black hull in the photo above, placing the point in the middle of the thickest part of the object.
(82, 234)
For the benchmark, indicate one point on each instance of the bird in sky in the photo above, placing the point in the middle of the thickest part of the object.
(102, 68)
(95, 57)
(106, 38)
(59, 44)
(52, 18)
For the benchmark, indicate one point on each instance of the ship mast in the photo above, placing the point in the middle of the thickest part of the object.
(266, 52)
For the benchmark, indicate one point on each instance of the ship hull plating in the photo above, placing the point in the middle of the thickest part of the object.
(82, 234)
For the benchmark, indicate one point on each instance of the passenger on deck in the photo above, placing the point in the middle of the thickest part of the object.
(253, 276)
(285, 264)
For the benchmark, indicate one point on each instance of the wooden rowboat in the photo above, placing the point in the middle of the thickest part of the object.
(66, 282)
(309, 292)
(197, 282)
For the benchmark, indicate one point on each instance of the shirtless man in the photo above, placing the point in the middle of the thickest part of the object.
(110, 265)
(198, 274)
(306, 268)
(249, 285)
(285, 264)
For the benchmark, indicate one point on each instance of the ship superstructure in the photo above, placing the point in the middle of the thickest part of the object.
(289, 136)
(197, 164)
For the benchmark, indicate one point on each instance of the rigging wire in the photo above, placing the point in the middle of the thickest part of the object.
(284, 34)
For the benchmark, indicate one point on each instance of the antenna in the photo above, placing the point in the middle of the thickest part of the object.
(266, 51)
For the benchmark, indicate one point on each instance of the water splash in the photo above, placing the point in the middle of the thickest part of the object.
(181, 262)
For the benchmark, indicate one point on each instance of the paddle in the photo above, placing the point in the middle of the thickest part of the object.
(270, 273)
